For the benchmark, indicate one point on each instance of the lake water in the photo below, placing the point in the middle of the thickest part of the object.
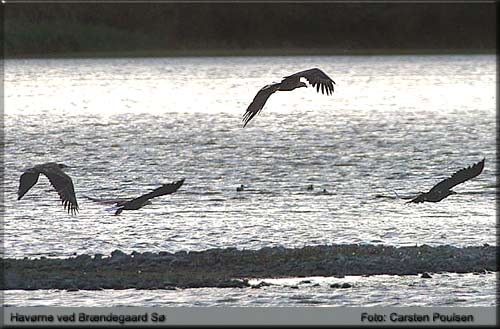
(395, 125)
(451, 289)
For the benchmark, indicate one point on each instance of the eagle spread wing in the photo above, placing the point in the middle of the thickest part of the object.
(316, 78)
(64, 187)
(27, 181)
(460, 176)
(61, 182)
(162, 190)
(259, 101)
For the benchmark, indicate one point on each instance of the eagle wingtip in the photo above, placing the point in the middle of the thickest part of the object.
(480, 164)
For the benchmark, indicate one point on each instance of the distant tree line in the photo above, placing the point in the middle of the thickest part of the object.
(38, 29)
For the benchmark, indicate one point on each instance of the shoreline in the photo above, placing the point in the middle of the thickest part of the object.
(158, 53)
(231, 267)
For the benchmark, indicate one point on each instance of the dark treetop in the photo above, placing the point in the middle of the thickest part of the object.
(95, 29)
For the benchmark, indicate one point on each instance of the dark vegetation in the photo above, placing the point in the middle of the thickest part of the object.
(135, 29)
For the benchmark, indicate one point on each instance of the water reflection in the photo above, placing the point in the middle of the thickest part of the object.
(395, 125)
(380, 290)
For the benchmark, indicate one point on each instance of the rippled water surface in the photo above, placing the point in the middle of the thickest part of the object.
(379, 290)
(396, 125)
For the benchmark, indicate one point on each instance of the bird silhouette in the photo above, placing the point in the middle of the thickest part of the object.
(61, 182)
(315, 77)
(141, 201)
(443, 189)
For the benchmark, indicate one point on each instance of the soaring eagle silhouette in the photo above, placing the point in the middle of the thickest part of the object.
(141, 201)
(315, 77)
(443, 189)
(59, 180)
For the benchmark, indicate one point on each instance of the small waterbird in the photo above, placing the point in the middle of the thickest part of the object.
(61, 182)
(315, 77)
(443, 189)
(139, 202)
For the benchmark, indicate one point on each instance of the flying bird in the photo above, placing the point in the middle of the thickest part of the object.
(59, 180)
(315, 77)
(141, 201)
(444, 188)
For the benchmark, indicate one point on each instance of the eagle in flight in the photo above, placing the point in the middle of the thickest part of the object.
(61, 182)
(315, 77)
(141, 201)
(443, 189)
